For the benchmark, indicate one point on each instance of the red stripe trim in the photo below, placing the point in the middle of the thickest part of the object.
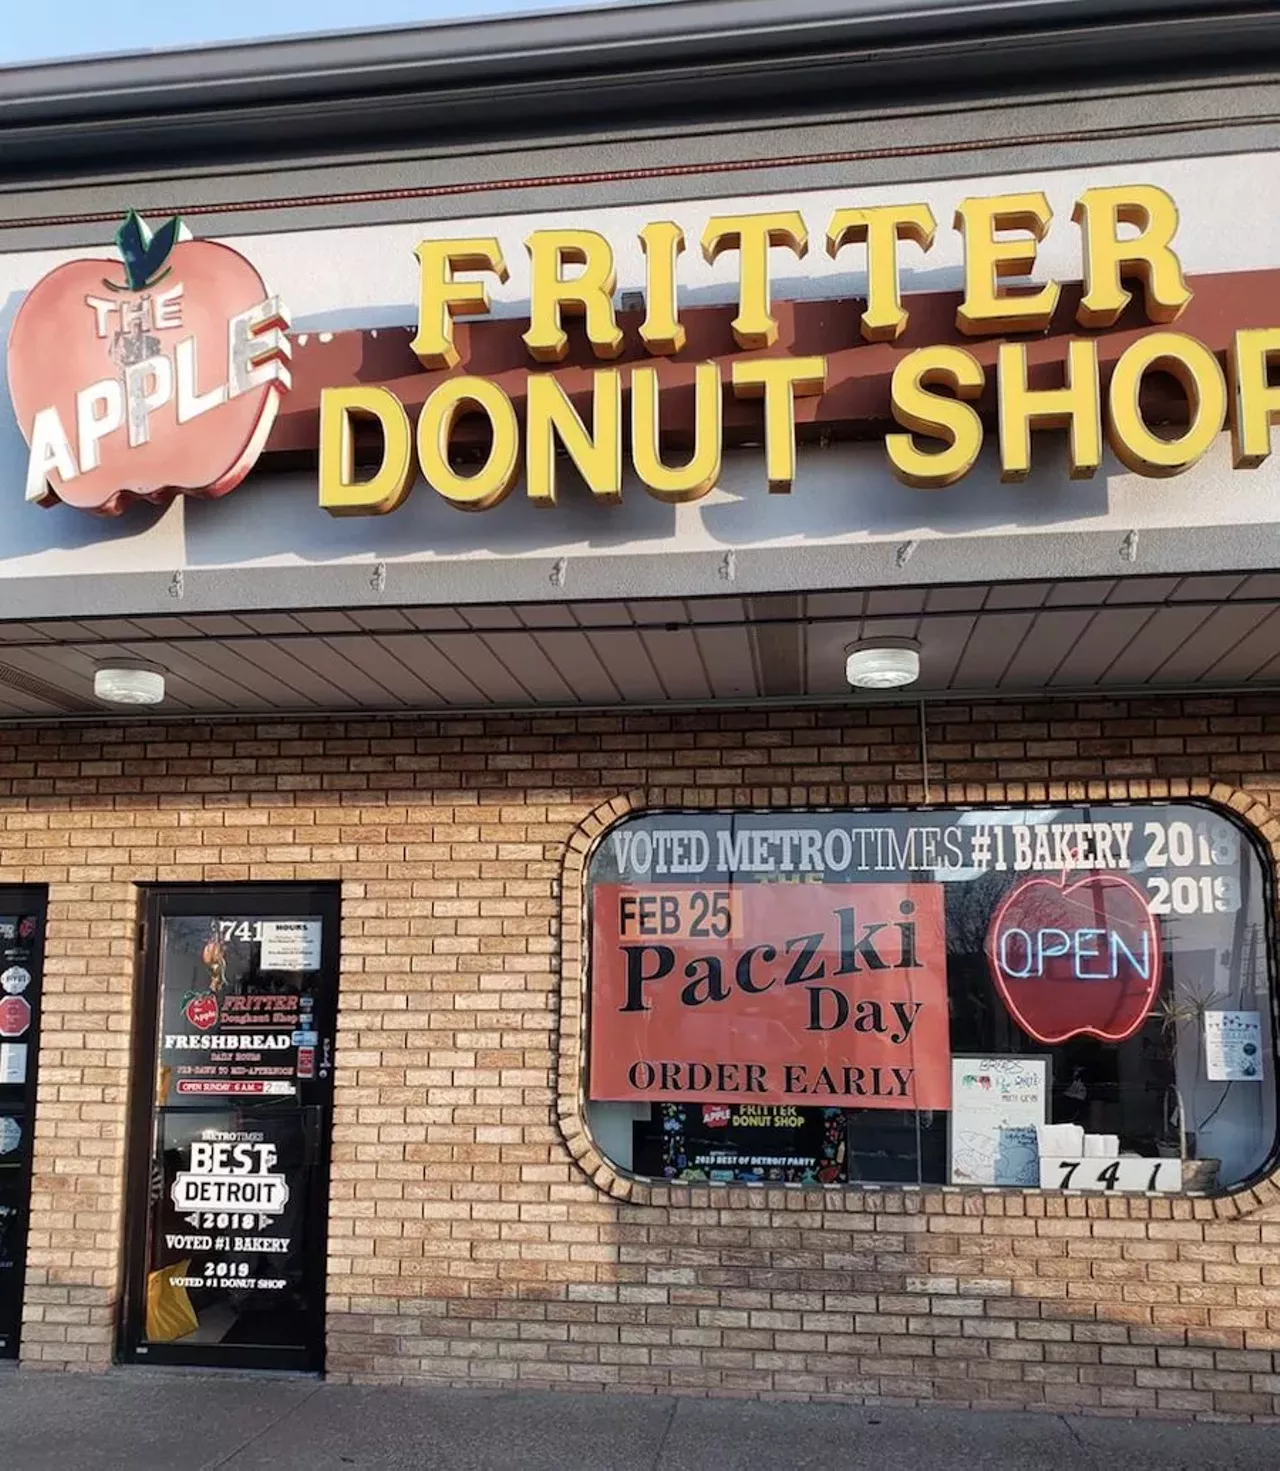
(612, 176)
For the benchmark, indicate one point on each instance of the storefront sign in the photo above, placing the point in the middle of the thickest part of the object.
(169, 379)
(1126, 235)
(143, 377)
(776, 994)
(1109, 1176)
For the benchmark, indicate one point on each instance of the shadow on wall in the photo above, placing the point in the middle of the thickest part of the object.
(272, 516)
(576, 1278)
(992, 1301)
(844, 489)
(841, 490)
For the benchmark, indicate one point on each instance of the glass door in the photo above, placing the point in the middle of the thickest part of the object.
(21, 971)
(229, 1159)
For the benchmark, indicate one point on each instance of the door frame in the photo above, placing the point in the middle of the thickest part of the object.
(267, 898)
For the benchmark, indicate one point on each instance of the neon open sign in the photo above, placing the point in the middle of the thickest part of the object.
(1076, 958)
(1094, 954)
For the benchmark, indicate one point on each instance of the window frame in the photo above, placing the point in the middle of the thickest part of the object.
(1231, 805)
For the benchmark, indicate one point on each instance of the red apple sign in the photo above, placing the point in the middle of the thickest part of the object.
(149, 376)
(1075, 958)
(201, 1011)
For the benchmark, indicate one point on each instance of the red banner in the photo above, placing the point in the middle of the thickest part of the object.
(825, 994)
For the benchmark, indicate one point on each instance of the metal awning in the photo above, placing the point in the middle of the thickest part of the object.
(1218, 631)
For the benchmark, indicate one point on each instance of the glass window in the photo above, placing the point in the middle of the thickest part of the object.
(1074, 997)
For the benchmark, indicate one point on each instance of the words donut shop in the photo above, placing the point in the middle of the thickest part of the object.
(784, 902)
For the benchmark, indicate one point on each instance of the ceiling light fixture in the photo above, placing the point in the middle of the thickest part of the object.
(128, 684)
(882, 663)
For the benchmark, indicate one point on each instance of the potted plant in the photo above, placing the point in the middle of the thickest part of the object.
(1179, 1010)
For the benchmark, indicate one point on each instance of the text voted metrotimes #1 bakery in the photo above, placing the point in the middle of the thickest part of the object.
(640, 705)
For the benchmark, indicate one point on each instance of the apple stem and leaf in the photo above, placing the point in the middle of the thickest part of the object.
(145, 252)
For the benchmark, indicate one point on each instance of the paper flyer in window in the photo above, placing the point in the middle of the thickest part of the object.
(996, 1105)
(13, 1062)
(290, 944)
(1233, 1046)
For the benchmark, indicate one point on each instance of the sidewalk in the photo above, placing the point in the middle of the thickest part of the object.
(150, 1421)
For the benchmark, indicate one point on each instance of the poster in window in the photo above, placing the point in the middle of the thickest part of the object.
(227, 1259)
(13, 1064)
(232, 1024)
(1233, 1046)
(745, 1143)
(290, 944)
(810, 995)
(996, 1105)
(19, 1001)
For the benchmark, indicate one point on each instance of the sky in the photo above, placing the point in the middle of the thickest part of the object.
(56, 29)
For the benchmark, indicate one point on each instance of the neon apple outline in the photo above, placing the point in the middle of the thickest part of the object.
(1095, 882)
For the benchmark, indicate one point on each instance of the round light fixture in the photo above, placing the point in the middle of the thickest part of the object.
(120, 684)
(882, 664)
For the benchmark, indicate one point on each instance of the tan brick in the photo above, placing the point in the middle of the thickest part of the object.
(476, 1235)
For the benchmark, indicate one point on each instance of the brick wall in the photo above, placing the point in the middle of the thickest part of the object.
(468, 1239)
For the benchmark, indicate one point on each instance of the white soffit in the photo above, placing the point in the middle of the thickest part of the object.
(1203, 633)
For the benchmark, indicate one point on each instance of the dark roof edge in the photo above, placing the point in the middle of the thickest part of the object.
(558, 40)
(512, 70)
